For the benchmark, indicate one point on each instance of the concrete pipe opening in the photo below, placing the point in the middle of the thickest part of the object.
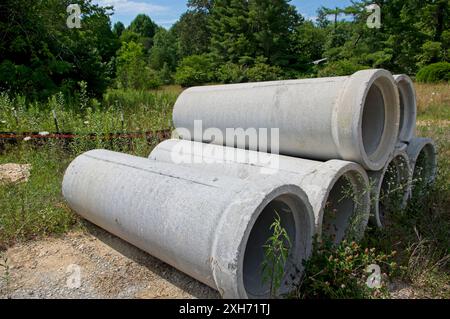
(422, 156)
(209, 230)
(373, 120)
(346, 211)
(379, 122)
(408, 107)
(391, 189)
(285, 207)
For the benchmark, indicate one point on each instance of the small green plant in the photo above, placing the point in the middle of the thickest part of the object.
(342, 271)
(276, 252)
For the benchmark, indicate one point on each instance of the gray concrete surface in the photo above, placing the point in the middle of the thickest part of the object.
(331, 186)
(354, 118)
(210, 226)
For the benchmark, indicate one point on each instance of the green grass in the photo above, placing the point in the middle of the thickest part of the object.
(140, 111)
(37, 208)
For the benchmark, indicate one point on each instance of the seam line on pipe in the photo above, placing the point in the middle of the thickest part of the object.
(150, 171)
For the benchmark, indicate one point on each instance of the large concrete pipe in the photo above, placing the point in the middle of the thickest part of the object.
(390, 188)
(408, 107)
(353, 118)
(422, 156)
(210, 226)
(337, 190)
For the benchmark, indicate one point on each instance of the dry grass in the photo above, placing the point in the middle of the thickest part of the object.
(433, 100)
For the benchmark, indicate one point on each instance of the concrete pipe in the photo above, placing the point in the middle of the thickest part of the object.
(337, 190)
(408, 107)
(353, 118)
(390, 188)
(210, 226)
(422, 156)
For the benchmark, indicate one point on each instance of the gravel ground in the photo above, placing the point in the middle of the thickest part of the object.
(108, 267)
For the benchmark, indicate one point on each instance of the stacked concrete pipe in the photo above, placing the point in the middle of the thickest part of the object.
(207, 225)
(337, 190)
(402, 168)
(408, 109)
(353, 118)
(390, 188)
(205, 204)
(423, 161)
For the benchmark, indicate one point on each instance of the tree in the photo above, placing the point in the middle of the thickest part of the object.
(145, 28)
(192, 31)
(244, 30)
(118, 28)
(164, 50)
(143, 25)
(132, 70)
(40, 56)
(271, 25)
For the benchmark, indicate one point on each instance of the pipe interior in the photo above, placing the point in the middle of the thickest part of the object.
(373, 120)
(407, 109)
(402, 112)
(423, 173)
(394, 188)
(339, 210)
(254, 251)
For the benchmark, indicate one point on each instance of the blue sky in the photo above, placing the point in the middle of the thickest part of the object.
(167, 12)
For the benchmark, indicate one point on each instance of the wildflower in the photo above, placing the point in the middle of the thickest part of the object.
(342, 286)
(3, 121)
(86, 122)
(27, 138)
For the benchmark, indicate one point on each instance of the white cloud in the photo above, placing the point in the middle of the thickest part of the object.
(132, 7)
(308, 17)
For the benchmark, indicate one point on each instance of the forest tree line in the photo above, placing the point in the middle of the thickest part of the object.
(214, 41)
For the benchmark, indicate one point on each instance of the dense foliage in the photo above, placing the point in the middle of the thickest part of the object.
(214, 41)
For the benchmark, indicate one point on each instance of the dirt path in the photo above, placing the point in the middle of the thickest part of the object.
(109, 268)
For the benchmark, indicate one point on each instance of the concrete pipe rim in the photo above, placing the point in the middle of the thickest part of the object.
(400, 163)
(422, 154)
(244, 277)
(368, 95)
(354, 176)
(408, 107)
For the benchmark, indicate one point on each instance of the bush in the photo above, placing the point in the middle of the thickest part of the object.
(262, 71)
(194, 70)
(342, 67)
(132, 70)
(165, 75)
(437, 72)
(343, 271)
(231, 73)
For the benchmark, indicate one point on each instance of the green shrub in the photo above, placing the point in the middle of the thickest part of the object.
(194, 70)
(341, 67)
(436, 72)
(165, 75)
(231, 73)
(343, 271)
(132, 69)
(262, 71)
